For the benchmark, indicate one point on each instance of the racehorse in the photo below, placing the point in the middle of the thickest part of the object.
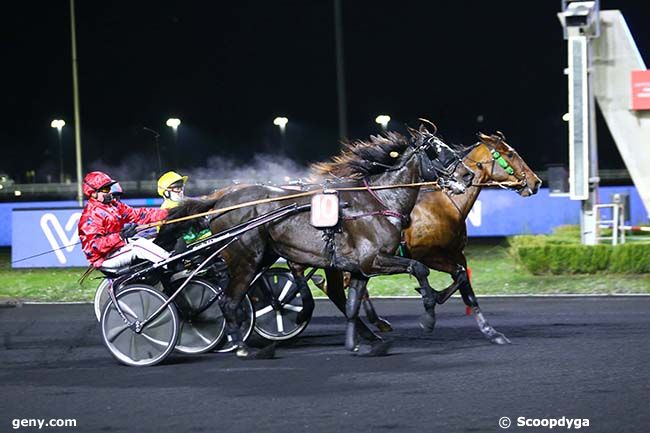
(437, 235)
(370, 230)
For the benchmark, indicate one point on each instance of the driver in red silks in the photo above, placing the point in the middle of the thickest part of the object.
(107, 225)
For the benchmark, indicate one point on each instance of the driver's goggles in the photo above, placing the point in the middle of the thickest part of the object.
(175, 189)
(105, 189)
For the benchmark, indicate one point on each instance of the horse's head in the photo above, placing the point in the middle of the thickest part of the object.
(439, 162)
(493, 160)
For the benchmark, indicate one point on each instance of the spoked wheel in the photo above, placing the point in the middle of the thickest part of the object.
(272, 320)
(101, 297)
(155, 341)
(202, 322)
(246, 328)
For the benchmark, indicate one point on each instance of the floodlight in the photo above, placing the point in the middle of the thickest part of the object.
(281, 122)
(173, 122)
(383, 120)
(58, 124)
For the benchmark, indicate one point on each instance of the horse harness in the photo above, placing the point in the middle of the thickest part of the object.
(386, 211)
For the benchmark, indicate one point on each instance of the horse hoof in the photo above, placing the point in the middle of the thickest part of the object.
(243, 353)
(499, 338)
(383, 325)
(380, 348)
(352, 346)
(427, 322)
(351, 338)
(267, 352)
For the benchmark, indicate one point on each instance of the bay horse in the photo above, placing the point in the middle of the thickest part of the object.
(370, 227)
(437, 235)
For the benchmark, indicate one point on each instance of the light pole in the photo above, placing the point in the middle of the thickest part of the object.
(383, 120)
(174, 123)
(156, 136)
(281, 122)
(59, 124)
(75, 95)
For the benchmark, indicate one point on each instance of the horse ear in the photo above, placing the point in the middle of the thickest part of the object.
(482, 137)
(501, 136)
(423, 129)
(413, 132)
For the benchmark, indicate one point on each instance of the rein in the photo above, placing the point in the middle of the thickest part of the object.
(287, 197)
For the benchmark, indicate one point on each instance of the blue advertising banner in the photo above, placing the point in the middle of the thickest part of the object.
(37, 231)
(495, 213)
(52, 231)
(504, 213)
(7, 208)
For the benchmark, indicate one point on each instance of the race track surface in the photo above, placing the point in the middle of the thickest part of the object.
(573, 357)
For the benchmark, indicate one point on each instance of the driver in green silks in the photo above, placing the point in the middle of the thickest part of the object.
(171, 187)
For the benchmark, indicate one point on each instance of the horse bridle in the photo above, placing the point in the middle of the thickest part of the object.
(498, 159)
(418, 149)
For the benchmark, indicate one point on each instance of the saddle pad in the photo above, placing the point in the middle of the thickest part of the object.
(325, 210)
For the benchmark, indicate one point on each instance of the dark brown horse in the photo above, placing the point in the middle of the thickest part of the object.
(437, 235)
(370, 230)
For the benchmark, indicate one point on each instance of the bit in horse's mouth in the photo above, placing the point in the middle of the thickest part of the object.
(525, 188)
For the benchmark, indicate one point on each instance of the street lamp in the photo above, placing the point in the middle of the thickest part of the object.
(59, 124)
(281, 122)
(173, 123)
(383, 120)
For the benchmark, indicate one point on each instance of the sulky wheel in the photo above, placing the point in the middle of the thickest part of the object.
(202, 322)
(157, 338)
(101, 296)
(274, 321)
(246, 328)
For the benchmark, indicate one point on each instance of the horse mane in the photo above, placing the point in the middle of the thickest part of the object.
(362, 158)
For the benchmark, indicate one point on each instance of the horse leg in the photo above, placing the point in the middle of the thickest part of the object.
(336, 293)
(458, 278)
(231, 306)
(388, 264)
(308, 304)
(382, 324)
(467, 292)
(355, 291)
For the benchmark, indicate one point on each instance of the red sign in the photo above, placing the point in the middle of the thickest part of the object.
(641, 90)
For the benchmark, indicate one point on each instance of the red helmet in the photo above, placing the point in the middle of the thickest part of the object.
(94, 181)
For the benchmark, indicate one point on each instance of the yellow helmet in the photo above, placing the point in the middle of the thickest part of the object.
(167, 179)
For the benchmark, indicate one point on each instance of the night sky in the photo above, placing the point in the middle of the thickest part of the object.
(226, 69)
